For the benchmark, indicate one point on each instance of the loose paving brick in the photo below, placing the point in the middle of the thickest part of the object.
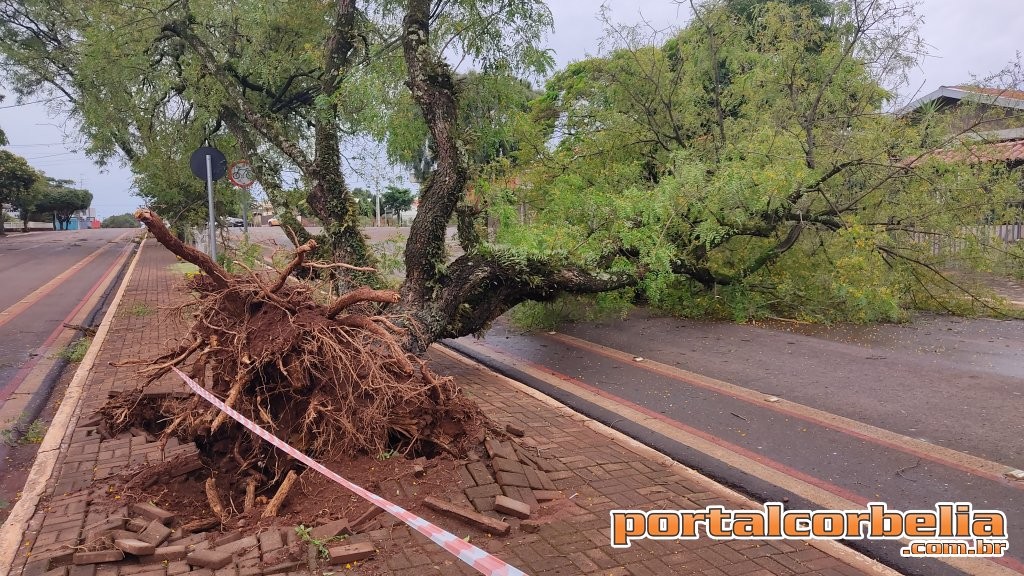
(170, 553)
(134, 547)
(485, 523)
(98, 556)
(238, 545)
(155, 533)
(351, 552)
(151, 512)
(271, 540)
(331, 530)
(211, 559)
(512, 507)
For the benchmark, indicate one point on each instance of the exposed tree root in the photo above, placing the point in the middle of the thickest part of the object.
(330, 379)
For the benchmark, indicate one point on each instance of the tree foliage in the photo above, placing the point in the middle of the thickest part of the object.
(59, 201)
(747, 166)
(740, 164)
(126, 220)
(16, 180)
(396, 200)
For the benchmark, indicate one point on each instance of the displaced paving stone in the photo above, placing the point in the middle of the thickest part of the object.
(212, 559)
(365, 518)
(499, 449)
(134, 547)
(156, 533)
(511, 507)
(151, 512)
(506, 465)
(170, 553)
(512, 479)
(331, 530)
(515, 430)
(271, 540)
(484, 504)
(472, 517)
(225, 539)
(351, 552)
(136, 524)
(480, 473)
(483, 491)
(238, 545)
(465, 478)
(98, 557)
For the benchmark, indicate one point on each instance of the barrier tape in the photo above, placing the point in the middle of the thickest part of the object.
(474, 557)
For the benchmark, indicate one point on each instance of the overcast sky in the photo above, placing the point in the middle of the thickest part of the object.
(965, 37)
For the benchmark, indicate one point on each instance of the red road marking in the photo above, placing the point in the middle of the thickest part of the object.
(761, 459)
(783, 409)
(1006, 561)
(39, 293)
(21, 374)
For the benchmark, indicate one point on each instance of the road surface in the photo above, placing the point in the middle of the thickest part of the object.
(911, 415)
(45, 278)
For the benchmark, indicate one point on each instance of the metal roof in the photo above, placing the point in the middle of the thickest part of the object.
(992, 96)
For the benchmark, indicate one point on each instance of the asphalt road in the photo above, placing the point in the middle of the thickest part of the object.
(910, 415)
(44, 276)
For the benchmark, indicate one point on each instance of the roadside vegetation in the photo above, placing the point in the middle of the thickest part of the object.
(76, 351)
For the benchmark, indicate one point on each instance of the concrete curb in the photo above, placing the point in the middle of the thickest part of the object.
(58, 435)
(834, 549)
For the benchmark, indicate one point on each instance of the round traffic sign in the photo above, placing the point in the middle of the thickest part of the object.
(218, 163)
(241, 175)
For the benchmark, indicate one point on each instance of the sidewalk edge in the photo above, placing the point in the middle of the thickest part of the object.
(834, 549)
(56, 438)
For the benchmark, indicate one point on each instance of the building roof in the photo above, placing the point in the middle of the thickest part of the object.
(992, 96)
(1010, 151)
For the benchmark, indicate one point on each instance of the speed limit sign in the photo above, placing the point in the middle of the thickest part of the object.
(240, 174)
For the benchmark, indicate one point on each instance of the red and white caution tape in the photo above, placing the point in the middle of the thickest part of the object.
(475, 557)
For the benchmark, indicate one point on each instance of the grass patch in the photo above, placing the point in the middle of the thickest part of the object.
(34, 434)
(75, 352)
(140, 309)
(184, 268)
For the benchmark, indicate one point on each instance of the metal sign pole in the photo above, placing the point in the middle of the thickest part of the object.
(209, 193)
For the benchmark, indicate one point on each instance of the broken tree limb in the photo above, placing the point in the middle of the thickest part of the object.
(300, 255)
(364, 294)
(159, 230)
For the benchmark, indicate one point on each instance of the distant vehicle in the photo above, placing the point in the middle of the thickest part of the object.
(275, 221)
(234, 222)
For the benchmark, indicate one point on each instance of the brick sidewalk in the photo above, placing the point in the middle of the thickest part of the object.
(600, 472)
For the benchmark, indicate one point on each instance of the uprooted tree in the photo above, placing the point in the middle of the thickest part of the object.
(746, 154)
(330, 376)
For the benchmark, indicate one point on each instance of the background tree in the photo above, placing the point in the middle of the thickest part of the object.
(120, 221)
(396, 200)
(365, 202)
(62, 201)
(16, 180)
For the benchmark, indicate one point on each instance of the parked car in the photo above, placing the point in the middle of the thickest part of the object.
(275, 221)
(235, 222)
